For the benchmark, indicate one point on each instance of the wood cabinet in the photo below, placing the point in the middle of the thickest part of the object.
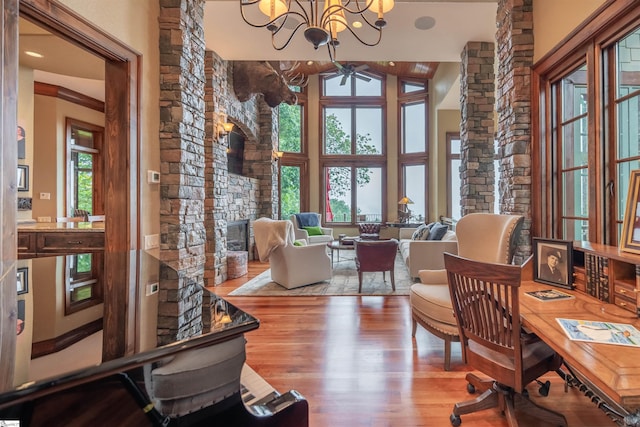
(56, 238)
(608, 274)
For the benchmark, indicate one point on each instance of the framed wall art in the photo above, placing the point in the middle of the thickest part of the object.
(23, 280)
(23, 178)
(553, 262)
(630, 237)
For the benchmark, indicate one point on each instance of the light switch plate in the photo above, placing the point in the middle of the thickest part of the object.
(152, 288)
(153, 177)
(152, 241)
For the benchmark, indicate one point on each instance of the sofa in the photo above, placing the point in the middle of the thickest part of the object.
(425, 254)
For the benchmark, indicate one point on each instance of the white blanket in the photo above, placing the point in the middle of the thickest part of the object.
(270, 234)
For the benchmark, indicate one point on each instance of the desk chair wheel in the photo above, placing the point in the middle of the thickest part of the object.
(455, 420)
(471, 388)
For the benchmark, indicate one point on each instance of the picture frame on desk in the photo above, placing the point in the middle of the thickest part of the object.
(553, 262)
(630, 238)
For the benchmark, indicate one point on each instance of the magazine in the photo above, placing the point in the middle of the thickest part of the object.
(601, 332)
(549, 295)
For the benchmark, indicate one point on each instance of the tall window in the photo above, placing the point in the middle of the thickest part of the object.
(84, 167)
(294, 162)
(454, 209)
(83, 272)
(412, 105)
(353, 147)
(590, 97)
(453, 176)
(570, 142)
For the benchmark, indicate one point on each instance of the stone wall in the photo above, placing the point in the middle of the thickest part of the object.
(232, 197)
(182, 134)
(477, 88)
(515, 58)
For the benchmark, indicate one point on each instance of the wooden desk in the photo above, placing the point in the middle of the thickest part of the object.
(612, 372)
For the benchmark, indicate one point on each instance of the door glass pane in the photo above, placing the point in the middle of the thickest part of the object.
(337, 127)
(369, 195)
(413, 128)
(628, 129)
(414, 178)
(575, 144)
(369, 130)
(290, 122)
(575, 229)
(82, 181)
(575, 189)
(289, 191)
(455, 189)
(623, 174)
(339, 193)
(628, 60)
(574, 93)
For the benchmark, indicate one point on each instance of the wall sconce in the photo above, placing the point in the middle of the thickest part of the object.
(277, 155)
(224, 128)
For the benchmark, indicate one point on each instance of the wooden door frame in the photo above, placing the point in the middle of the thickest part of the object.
(122, 79)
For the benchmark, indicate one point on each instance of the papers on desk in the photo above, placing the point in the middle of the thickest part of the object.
(549, 295)
(601, 332)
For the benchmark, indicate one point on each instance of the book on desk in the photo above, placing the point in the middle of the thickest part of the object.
(545, 295)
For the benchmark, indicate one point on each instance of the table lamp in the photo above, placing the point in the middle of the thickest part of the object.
(406, 212)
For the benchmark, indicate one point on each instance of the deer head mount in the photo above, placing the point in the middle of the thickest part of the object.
(251, 77)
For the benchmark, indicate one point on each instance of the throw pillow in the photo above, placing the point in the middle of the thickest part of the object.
(421, 233)
(314, 231)
(438, 231)
(300, 243)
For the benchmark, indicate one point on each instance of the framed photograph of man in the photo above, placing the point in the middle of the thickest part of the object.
(553, 262)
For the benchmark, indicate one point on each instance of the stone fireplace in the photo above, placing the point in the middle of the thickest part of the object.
(238, 235)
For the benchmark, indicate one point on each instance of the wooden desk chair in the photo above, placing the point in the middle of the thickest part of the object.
(486, 305)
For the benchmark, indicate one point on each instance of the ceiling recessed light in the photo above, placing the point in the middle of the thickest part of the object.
(357, 24)
(34, 54)
(392, 64)
(425, 23)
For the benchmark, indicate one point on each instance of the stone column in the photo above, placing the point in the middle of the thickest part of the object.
(477, 99)
(182, 135)
(515, 58)
(216, 170)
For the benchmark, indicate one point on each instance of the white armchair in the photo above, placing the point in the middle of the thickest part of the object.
(302, 234)
(291, 266)
(484, 237)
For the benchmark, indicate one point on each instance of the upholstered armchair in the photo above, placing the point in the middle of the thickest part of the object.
(291, 266)
(369, 230)
(481, 237)
(322, 234)
(376, 255)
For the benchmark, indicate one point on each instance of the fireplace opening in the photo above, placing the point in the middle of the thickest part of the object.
(238, 235)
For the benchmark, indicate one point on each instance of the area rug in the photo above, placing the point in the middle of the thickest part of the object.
(343, 282)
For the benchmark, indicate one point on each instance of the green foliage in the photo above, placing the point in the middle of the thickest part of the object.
(289, 191)
(290, 128)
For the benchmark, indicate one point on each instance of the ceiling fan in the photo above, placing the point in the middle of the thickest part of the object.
(348, 70)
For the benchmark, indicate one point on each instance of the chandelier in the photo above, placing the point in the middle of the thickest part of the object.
(285, 17)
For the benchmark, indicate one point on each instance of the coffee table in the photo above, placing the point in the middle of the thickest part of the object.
(337, 245)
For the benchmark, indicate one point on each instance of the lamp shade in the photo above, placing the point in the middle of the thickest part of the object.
(381, 6)
(335, 20)
(405, 201)
(272, 8)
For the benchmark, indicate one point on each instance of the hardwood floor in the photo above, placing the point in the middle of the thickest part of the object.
(355, 361)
